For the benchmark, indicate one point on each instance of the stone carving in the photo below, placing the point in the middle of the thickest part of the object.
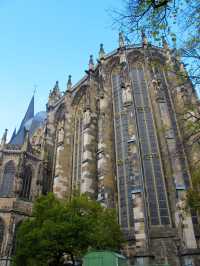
(123, 58)
(38, 189)
(87, 99)
(181, 205)
(157, 88)
(61, 132)
(18, 185)
(126, 94)
(87, 117)
(102, 74)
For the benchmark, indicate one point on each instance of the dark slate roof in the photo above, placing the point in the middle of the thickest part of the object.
(29, 122)
(18, 138)
(37, 121)
(13, 135)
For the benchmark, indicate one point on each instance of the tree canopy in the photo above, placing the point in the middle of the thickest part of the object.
(60, 228)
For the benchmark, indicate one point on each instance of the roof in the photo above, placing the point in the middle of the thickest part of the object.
(91, 253)
(30, 122)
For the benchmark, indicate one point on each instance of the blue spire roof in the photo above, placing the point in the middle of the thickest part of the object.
(13, 135)
(18, 138)
(29, 113)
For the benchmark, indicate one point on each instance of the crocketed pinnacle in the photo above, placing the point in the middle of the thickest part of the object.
(69, 82)
(91, 63)
(101, 52)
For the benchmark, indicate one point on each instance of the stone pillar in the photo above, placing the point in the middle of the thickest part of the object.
(62, 179)
(88, 167)
(105, 154)
(139, 226)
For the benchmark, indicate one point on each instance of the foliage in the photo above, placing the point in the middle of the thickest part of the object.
(60, 228)
(193, 194)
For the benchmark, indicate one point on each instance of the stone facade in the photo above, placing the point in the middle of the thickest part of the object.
(117, 136)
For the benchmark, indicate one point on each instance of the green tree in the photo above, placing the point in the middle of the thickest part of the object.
(60, 228)
(193, 194)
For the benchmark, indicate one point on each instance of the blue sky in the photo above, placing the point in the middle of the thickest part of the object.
(43, 41)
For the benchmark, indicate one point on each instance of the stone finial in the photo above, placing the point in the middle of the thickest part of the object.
(121, 40)
(4, 138)
(91, 63)
(69, 82)
(144, 38)
(164, 43)
(101, 52)
(182, 67)
(56, 87)
(54, 95)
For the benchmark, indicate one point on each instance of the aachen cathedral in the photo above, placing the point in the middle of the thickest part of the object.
(117, 136)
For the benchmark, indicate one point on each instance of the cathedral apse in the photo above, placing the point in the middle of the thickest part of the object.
(116, 136)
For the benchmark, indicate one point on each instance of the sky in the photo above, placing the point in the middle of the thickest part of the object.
(46, 40)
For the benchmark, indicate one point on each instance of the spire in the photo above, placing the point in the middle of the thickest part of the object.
(56, 87)
(91, 63)
(121, 40)
(19, 137)
(69, 83)
(101, 52)
(29, 113)
(164, 43)
(4, 138)
(144, 38)
(54, 95)
(13, 135)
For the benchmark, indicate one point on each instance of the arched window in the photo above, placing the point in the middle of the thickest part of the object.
(26, 186)
(1, 232)
(8, 179)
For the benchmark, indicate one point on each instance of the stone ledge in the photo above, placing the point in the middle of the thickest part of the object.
(188, 252)
(16, 205)
(162, 232)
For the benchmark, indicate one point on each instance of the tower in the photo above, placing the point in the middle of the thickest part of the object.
(22, 177)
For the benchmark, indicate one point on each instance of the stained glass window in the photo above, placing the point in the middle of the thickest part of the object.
(154, 179)
(8, 179)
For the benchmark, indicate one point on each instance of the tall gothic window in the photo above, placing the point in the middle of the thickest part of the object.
(8, 178)
(1, 232)
(26, 187)
(152, 165)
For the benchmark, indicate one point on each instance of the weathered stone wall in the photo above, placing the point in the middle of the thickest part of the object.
(117, 136)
